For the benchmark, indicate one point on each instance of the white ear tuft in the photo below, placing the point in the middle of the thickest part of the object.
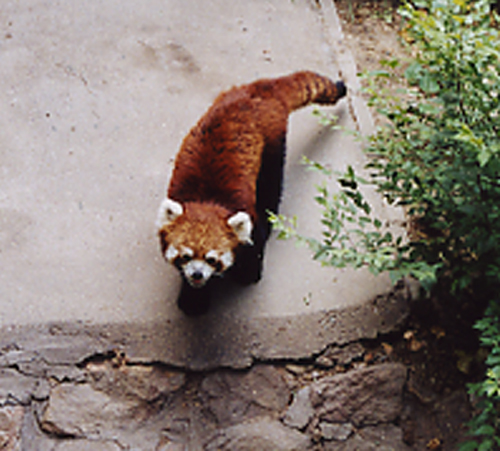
(168, 212)
(241, 223)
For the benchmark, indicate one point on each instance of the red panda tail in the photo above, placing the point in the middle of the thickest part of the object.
(302, 88)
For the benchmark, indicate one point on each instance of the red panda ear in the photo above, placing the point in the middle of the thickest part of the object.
(168, 212)
(242, 226)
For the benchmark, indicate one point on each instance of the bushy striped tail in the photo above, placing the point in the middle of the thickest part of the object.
(302, 88)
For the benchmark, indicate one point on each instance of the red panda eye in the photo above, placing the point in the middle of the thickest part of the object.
(211, 261)
(185, 259)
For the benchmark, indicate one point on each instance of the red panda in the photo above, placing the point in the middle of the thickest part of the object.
(227, 176)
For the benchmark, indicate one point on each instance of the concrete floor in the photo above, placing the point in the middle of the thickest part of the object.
(95, 98)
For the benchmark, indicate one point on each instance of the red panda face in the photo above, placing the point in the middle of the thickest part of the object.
(200, 239)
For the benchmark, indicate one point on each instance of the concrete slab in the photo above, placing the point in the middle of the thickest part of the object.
(95, 98)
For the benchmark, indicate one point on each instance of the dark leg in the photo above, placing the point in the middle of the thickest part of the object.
(270, 183)
(194, 301)
(248, 265)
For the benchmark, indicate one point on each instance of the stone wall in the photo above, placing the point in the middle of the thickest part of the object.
(110, 403)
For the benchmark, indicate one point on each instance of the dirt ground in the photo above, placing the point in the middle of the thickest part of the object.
(371, 29)
(437, 343)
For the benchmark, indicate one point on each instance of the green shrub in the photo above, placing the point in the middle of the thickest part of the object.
(352, 236)
(438, 156)
(486, 424)
(452, 138)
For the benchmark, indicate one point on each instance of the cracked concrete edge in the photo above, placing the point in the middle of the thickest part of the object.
(56, 349)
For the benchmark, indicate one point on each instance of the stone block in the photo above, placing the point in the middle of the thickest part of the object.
(232, 397)
(301, 410)
(87, 445)
(146, 382)
(363, 397)
(336, 431)
(387, 437)
(16, 387)
(263, 434)
(11, 418)
(79, 411)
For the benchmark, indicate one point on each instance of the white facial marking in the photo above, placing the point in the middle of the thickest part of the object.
(227, 259)
(242, 226)
(212, 254)
(169, 211)
(224, 259)
(186, 252)
(197, 272)
(171, 253)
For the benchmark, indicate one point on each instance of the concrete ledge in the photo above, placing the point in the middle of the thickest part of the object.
(203, 344)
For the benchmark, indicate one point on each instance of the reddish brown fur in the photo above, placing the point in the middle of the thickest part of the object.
(231, 162)
(219, 160)
(202, 228)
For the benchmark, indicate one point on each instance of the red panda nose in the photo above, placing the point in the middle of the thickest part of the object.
(197, 275)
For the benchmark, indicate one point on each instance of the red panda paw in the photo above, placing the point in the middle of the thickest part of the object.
(194, 301)
(248, 266)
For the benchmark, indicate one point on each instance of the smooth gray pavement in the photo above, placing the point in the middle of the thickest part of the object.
(95, 98)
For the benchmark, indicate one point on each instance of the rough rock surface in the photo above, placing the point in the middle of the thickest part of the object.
(11, 418)
(77, 410)
(335, 431)
(264, 434)
(110, 403)
(87, 445)
(367, 396)
(14, 387)
(115, 397)
(382, 438)
(301, 411)
(340, 411)
(233, 397)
